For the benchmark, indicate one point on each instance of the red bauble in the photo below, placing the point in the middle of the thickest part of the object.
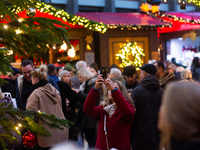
(68, 57)
(29, 140)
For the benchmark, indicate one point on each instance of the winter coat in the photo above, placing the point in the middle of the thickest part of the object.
(86, 121)
(118, 125)
(10, 144)
(23, 90)
(67, 93)
(189, 145)
(147, 97)
(195, 73)
(47, 99)
(9, 87)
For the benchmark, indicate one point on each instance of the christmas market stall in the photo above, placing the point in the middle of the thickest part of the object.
(181, 40)
(131, 38)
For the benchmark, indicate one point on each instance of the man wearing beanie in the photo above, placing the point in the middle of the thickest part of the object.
(147, 97)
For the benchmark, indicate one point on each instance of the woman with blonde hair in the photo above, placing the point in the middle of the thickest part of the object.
(114, 116)
(87, 125)
(179, 117)
(46, 98)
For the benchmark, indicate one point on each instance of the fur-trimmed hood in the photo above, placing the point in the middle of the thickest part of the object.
(166, 77)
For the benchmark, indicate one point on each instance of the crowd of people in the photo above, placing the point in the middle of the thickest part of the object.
(154, 109)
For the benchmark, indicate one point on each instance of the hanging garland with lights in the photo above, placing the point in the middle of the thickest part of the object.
(72, 19)
(195, 2)
(162, 16)
(131, 49)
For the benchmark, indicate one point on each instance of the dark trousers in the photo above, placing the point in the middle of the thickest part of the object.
(90, 136)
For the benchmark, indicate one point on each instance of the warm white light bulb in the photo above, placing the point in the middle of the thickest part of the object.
(5, 26)
(71, 52)
(64, 46)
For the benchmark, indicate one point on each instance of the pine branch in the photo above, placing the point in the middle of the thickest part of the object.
(11, 117)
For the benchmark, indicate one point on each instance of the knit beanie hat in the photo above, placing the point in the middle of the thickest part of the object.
(172, 66)
(61, 74)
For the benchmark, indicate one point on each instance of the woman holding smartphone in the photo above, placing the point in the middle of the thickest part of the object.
(114, 116)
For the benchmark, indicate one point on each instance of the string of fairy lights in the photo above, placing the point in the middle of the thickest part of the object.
(130, 49)
(72, 19)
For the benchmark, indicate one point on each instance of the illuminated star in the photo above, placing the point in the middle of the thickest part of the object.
(89, 39)
(144, 7)
(155, 8)
(193, 35)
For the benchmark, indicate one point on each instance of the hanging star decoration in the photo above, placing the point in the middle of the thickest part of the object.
(154, 8)
(89, 40)
(191, 35)
(146, 8)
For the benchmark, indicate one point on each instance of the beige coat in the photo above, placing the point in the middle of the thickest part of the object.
(47, 99)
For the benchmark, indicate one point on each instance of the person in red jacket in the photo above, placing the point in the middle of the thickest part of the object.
(114, 116)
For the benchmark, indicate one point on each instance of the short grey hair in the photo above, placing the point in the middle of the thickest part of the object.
(116, 72)
(186, 74)
(81, 64)
(85, 73)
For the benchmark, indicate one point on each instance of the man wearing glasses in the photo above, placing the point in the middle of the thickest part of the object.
(24, 85)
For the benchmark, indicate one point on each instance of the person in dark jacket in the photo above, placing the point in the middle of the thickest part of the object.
(130, 75)
(179, 117)
(23, 84)
(147, 97)
(195, 68)
(88, 125)
(10, 86)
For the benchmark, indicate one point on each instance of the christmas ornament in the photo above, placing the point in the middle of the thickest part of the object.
(31, 12)
(29, 140)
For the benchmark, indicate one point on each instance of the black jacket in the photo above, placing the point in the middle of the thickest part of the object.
(67, 93)
(147, 97)
(192, 145)
(9, 87)
(86, 121)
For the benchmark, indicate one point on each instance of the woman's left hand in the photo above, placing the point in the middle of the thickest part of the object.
(109, 84)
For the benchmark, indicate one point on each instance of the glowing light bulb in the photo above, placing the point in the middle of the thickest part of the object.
(5, 26)
(71, 52)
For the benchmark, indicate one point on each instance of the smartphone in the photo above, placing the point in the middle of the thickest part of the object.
(104, 72)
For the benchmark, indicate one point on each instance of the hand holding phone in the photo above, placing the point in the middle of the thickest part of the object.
(104, 72)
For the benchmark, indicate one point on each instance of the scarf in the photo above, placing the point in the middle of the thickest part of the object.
(110, 109)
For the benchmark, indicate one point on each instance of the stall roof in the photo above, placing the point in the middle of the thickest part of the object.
(181, 21)
(123, 19)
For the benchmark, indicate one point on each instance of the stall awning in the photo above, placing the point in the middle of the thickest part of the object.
(47, 15)
(180, 21)
(115, 20)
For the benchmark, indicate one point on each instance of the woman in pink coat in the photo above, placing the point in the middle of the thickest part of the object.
(114, 116)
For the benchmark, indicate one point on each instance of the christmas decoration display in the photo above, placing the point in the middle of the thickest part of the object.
(29, 140)
(130, 50)
(191, 35)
